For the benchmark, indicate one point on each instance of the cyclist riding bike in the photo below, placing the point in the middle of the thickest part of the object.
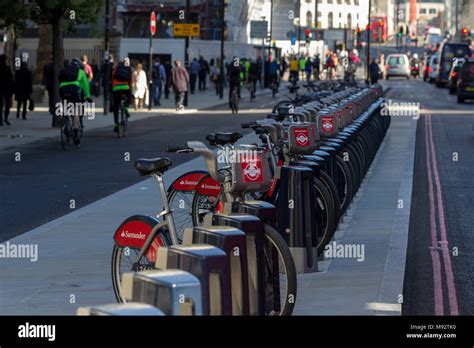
(273, 72)
(234, 79)
(73, 88)
(121, 88)
(253, 78)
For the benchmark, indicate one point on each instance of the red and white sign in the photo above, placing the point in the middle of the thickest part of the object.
(153, 23)
(253, 171)
(327, 124)
(301, 136)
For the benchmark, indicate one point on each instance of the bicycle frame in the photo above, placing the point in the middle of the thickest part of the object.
(168, 222)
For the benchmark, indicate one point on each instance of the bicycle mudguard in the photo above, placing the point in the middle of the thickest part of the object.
(134, 231)
(188, 181)
(207, 186)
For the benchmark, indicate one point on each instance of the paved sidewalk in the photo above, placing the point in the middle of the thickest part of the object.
(375, 222)
(38, 124)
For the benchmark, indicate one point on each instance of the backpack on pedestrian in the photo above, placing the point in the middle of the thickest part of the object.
(123, 73)
(69, 74)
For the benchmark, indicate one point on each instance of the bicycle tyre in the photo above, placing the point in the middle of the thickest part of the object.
(346, 193)
(327, 212)
(65, 138)
(115, 266)
(272, 236)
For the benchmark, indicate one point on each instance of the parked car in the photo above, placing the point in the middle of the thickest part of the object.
(447, 52)
(397, 65)
(433, 68)
(453, 75)
(426, 67)
(466, 81)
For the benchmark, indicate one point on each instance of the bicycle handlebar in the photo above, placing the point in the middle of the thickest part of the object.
(248, 124)
(178, 149)
(209, 157)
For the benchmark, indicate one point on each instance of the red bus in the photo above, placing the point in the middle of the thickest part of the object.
(379, 28)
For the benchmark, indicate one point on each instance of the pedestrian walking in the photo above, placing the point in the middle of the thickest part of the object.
(194, 70)
(180, 79)
(159, 79)
(6, 90)
(95, 83)
(47, 82)
(107, 70)
(140, 87)
(316, 66)
(302, 66)
(215, 76)
(203, 72)
(23, 89)
(294, 66)
(374, 71)
(87, 68)
(308, 68)
(168, 81)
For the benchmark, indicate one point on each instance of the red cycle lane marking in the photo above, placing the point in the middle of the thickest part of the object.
(451, 284)
(437, 285)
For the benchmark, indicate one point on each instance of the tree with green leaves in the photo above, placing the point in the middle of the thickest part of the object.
(54, 16)
(61, 14)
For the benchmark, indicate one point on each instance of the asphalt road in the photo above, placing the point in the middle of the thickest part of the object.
(40, 187)
(439, 276)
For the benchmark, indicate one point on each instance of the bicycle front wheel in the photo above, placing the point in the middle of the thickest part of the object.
(280, 274)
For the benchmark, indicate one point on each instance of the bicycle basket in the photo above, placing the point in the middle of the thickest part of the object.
(250, 172)
(301, 139)
(328, 124)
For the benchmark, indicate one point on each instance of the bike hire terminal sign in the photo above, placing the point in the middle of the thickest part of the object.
(258, 29)
(186, 29)
(153, 23)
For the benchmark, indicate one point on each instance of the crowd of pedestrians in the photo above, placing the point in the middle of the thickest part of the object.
(20, 85)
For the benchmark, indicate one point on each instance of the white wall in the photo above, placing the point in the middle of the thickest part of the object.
(175, 47)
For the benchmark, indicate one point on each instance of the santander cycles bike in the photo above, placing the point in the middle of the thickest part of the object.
(139, 237)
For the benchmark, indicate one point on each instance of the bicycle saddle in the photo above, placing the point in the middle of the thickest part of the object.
(223, 138)
(147, 166)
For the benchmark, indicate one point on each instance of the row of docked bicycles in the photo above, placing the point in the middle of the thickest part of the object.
(296, 178)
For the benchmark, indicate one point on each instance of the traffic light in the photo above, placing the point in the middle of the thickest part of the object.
(465, 34)
(308, 35)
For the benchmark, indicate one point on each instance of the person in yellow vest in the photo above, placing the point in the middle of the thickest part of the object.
(294, 67)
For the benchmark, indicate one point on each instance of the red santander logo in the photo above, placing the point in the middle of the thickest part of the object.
(253, 171)
(301, 136)
(328, 124)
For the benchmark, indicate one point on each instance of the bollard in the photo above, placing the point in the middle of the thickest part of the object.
(210, 265)
(175, 292)
(296, 221)
(253, 229)
(233, 242)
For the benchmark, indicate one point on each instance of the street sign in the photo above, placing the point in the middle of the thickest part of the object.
(258, 29)
(153, 23)
(186, 29)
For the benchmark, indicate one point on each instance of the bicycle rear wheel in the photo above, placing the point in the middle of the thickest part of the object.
(122, 126)
(66, 135)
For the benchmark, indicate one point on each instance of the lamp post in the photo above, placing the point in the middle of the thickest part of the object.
(369, 32)
(221, 76)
